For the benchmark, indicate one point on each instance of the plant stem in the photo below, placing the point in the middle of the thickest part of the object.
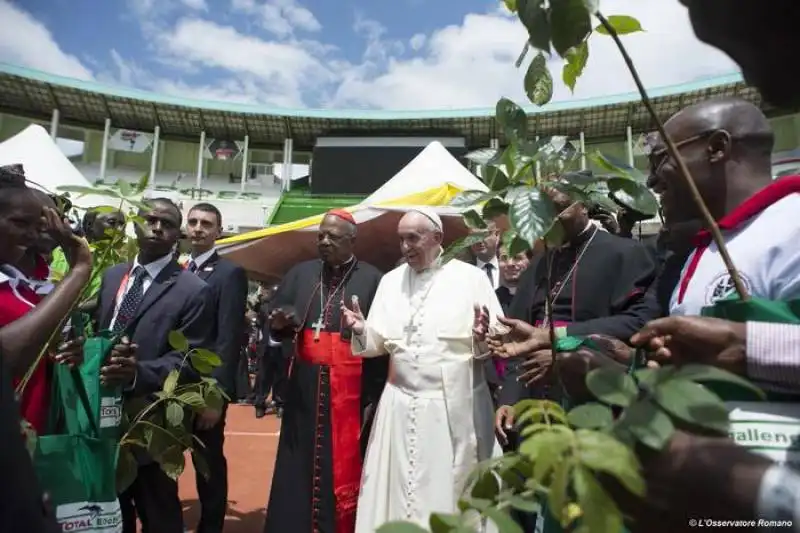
(672, 149)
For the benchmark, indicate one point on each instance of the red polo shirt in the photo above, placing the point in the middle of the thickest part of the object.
(16, 299)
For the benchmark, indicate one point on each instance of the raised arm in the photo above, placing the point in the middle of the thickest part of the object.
(368, 337)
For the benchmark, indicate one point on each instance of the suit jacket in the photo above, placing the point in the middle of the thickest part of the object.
(176, 300)
(227, 282)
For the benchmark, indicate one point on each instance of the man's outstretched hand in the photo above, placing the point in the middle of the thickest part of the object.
(519, 338)
(353, 317)
(680, 340)
(480, 323)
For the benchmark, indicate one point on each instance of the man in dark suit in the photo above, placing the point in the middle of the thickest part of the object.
(228, 284)
(143, 302)
(483, 254)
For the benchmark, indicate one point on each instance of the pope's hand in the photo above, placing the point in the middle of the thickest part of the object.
(480, 324)
(353, 317)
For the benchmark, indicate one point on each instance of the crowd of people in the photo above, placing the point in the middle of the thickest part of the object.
(398, 384)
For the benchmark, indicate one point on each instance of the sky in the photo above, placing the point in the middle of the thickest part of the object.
(342, 54)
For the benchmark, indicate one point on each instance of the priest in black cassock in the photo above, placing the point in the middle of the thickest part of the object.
(598, 286)
(331, 394)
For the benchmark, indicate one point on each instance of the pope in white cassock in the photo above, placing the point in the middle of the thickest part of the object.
(435, 418)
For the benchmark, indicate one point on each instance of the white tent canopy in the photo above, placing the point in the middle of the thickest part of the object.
(434, 173)
(46, 165)
(433, 167)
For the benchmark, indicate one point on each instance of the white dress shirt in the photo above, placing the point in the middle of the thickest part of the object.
(201, 259)
(153, 270)
(495, 270)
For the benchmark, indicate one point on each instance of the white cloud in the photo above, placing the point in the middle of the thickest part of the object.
(198, 5)
(26, 41)
(467, 64)
(417, 41)
(471, 64)
(280, 17)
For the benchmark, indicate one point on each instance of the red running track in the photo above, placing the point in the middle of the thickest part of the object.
(250, 447)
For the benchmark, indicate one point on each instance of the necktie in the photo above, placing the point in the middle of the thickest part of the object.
(130, 303)
(488, 268)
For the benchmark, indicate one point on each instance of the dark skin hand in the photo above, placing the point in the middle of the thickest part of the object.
(522, 338)
(282, 318)
(69, 353)
(120, 369)
(22, 340)
(681, 340)
(681, 477)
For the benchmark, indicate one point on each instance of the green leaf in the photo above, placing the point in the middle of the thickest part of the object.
(540, 411)
(603, 453)
(83, 190)
(400, 527)
(127, 469)
(616, 168)
(600, 513)
(622, 25)
(533, 16)
(172, 462)
(591, 416)
(444, 522)
(124, 188)
(556, 235)
(538, 81)
(473, 220)
(693, 403)
(141, 186)
(495, 179)
(576, 59)
(174, 414)
(462, 244)
(470, 198)
(531, 212)
(511, 5)
(178, 341)
(612, 386)
(570, 24)
(704, 373)
(192, 399)
(206, 356)
(525, 505)
(512, 119)
(487, 486)
(200, 464)
(502, 520)
(171, 382)
(494, 208)
(648, 423)
(634, 195)
(512, 244)
(557, 497)
(214, 398)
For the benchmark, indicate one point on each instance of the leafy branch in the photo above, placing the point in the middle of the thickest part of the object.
(162, 426)
(567, 458)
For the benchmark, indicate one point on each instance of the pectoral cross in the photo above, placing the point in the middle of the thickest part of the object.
(318, 325)
(409, 331)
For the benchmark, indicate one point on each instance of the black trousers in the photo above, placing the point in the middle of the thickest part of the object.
(153, 498)
(213, 492)
(243, 389)
(271, 376)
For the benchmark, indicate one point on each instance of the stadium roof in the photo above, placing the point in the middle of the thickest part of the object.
(86, 104)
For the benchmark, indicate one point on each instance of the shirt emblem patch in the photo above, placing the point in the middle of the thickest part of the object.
(722, 287)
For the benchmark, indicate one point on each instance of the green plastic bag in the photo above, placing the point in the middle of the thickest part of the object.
(770, 428)
(77, 467)
(105, 402)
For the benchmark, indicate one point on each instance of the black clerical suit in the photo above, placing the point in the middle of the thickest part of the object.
(326, 382)
(21, 506)
(174, 300)
(227, 282)
(604, 295)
